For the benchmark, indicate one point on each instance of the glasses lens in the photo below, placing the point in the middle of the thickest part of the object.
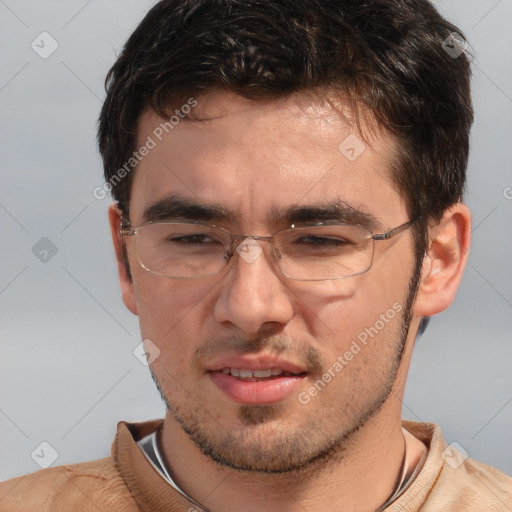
(324, 252)
(308, 253)
(182, 250)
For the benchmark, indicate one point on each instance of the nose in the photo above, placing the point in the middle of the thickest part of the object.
(253, 294)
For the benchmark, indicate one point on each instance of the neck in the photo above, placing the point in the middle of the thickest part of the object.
(363, 477)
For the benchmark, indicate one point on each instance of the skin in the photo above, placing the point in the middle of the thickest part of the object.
(343, 450)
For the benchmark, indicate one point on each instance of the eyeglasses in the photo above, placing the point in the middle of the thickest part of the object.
(319, 252)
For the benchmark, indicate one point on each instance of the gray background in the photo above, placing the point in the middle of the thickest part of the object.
(67, 369)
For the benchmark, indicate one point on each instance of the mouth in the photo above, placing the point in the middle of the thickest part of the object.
(253, 383)
(248, 375)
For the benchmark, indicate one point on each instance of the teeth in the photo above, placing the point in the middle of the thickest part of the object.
(261, 374)
(258, 374)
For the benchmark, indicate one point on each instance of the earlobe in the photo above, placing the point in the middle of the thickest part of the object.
(444, 263)
(125, 278)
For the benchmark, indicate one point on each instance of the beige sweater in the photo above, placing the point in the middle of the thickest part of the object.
(127, 482)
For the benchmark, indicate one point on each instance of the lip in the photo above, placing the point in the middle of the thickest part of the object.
(257, 392)
(261, 392)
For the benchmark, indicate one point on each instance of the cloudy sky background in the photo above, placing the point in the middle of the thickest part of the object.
(67, 369)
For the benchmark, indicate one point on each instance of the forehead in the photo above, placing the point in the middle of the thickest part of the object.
(258, 158)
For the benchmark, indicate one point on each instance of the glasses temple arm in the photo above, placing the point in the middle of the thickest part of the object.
(393, 232)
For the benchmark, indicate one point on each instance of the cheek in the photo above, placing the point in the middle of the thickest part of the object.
(163, 304)
(174, 314)
(344, 308)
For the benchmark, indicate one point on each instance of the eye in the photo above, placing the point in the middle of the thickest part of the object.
(195, 239)
(323, 241)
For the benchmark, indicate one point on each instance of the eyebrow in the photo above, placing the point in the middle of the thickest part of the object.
(176, 207)
(336, 211)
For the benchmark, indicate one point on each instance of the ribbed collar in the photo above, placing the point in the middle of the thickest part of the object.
(154, 494)
(150, 490)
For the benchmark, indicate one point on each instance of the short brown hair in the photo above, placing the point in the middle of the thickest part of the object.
(387, 55)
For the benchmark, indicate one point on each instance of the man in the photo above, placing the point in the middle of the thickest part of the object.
(288, 178)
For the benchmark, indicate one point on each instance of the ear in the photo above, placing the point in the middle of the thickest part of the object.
(125, 279)
(444, 262)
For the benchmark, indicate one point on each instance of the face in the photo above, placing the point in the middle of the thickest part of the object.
(332, 347)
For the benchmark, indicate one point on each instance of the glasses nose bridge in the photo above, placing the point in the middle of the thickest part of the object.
(236, 240)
